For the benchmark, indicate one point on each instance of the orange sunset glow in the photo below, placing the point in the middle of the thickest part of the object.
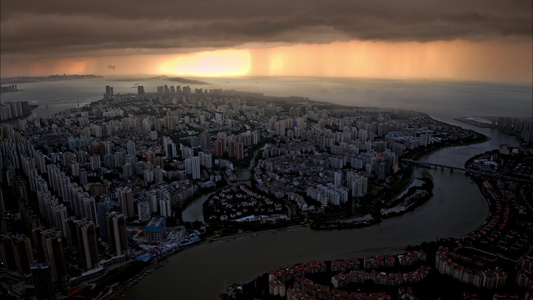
(213, 63)
(452, 59)
(456, 59)
(463, 41)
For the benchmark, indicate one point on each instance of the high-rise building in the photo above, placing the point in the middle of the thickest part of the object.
(206, 159)
(192, 167)
(231, 148)
(95, 162)
(165, 207)
(205, 141)
(158, 174)
(382, 170)
(219, 147)
(169, 147)
(88, 244)
(7, 253)
(103, 208)
(3, 225)
(144, 209)
(23, 253)
(148, 176)
(38, 243)
(140, 90)
(72, 234)
(127, 170)
(130, 147)
(195, 142)
(338, 178)
(109, 161)
(16, 252)
(42, 280)
(2, 205)
(239, 150)
(118, 237)
(108, 91)
(125, 198)
(119, 159)
(196, 167)
(83, 176)
(89, 208)
(53, 254)
(186, 152)
(256, 137)
(153, 200)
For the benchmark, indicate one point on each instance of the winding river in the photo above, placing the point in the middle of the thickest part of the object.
(203, 271)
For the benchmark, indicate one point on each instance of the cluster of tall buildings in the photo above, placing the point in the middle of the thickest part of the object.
(234, 145)
(9, 88)
(233, 149)
(347, 146)
(78, 211)
(69, 211)
(520, 126)
(171, 91)
(13, 110)
(17, 253)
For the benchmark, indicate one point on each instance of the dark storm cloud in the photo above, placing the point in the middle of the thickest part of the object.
(122, 27)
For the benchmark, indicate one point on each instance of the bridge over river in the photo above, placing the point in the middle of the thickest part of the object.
(467, 171)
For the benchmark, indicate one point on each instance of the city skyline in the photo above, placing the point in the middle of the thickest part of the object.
(479, 40)
(303, 149)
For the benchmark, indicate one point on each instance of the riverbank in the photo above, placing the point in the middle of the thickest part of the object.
(267, 249)
(251, 254)
(337, 223)
(494, 200)
(418, 203)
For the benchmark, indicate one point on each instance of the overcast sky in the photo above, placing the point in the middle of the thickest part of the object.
(109, 36)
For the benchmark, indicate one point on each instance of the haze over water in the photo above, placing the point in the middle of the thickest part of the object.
(444, 100)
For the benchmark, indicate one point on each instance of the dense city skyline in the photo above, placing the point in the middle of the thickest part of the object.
(477, 40)
(260, 149)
